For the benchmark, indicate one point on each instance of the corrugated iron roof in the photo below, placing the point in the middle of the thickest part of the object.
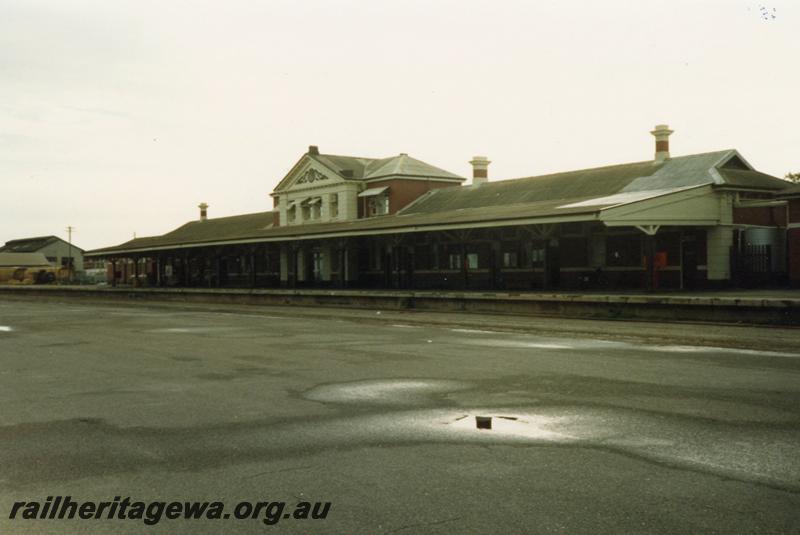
(572, 194)
(674, 173)
(29, 245)
(373, 168)
(200, 235)
(217, 229)
(753, 179)
(405, 165)
(793, 190)
(626, 197)
(573, 185)
(679, 172)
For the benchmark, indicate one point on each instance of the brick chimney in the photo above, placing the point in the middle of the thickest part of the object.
(661, 134)
(203, 211)
(313, 150)
(480, 169)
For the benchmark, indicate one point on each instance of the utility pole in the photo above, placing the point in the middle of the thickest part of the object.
(69, 258)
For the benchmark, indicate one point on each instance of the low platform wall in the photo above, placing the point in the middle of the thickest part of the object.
(695, 308)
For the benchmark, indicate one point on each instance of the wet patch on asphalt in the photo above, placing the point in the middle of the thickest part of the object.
(520, 341)
(92, 447)
(193, 330)
(383, 392)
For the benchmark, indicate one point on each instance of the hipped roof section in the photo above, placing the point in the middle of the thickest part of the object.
(218, 229)
(362, 169)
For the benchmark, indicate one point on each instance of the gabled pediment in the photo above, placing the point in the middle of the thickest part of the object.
(736, 162)
(733, 160)
(307, 173)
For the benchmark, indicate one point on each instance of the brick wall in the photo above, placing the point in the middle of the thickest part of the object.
(402, 191)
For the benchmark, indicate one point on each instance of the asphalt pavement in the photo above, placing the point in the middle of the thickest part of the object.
(596, 426)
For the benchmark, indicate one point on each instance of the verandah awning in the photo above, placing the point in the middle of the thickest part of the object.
(371, 192)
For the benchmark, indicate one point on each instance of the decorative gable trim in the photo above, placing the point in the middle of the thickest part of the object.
(310, 176)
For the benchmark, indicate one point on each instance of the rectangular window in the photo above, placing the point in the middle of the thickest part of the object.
(455, 261)
(537, 256)
(510, 259)
(334, 204)
(472, 260)
(317, 259)
(378, 205)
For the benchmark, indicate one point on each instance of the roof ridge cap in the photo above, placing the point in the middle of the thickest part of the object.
(583, 170)
(348, 156)
(230, 216)
(35, 238)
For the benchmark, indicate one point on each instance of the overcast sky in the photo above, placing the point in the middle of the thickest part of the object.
(119, 117)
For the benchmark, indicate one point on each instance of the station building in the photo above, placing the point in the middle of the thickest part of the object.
(686, 222)
(58, 252)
